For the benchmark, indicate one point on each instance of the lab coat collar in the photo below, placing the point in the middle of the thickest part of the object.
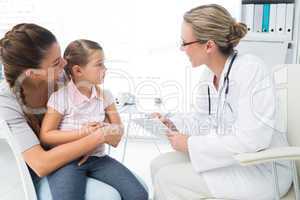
(224, 72)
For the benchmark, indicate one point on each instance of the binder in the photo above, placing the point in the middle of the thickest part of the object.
(289, 20)
(266, 1)
(258, 16)
(247, 15)
(272, 19)
(280, 18)
(265, 18)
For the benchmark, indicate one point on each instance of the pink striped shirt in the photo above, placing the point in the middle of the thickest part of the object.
(77, 109)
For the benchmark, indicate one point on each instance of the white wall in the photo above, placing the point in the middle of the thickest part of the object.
(140, 38)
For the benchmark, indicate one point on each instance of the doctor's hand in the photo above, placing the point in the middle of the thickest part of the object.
(178, 141)
(166, 121)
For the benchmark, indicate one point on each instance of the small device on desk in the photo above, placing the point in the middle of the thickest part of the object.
(124, 99)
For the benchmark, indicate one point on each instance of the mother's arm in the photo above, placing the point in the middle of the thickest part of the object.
(43, 162)
(51, 135)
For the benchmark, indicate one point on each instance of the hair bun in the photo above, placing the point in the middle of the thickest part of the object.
(3, 42)
(237, 32)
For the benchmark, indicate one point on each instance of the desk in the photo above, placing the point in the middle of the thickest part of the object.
(127, 113)
(128, 110)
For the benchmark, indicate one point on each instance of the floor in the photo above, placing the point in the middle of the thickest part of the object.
(141, 148)
(138, 156)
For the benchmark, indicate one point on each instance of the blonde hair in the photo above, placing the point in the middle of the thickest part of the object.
(214, 22)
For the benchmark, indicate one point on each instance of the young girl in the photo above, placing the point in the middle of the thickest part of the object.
(77, 110)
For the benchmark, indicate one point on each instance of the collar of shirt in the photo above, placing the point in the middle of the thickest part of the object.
(77, 97)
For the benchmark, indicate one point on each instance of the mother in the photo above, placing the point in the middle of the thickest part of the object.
(32, 61)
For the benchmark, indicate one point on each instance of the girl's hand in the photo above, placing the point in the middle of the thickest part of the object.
(91, 127)
(178, 141)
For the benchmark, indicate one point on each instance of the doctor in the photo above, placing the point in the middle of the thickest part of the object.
(238, 98)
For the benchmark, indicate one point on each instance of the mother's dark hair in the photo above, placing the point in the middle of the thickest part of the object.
(24, 47)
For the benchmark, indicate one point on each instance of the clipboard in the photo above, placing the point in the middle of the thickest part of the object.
(153, 126)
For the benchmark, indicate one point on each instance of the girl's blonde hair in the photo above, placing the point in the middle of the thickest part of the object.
(214, 22)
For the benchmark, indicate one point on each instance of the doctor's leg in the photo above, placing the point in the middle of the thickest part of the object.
(166, 159)
(179, 182)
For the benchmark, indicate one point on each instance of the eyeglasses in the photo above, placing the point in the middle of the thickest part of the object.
(183, 44)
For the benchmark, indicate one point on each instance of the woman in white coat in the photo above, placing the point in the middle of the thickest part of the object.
(237, 98)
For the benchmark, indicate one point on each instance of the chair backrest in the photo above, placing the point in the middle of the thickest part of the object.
(280, 76)
(294, 106)
(18, 177)
(272, 52)
(10, 183)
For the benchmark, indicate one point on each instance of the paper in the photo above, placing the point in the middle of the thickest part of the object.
(152, 125)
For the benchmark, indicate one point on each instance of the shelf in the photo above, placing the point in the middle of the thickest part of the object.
(267, 37)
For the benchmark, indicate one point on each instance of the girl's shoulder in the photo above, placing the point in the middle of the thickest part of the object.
(106, 95)
(60, 92)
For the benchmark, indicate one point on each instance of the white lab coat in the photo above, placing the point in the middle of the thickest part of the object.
(253, 128)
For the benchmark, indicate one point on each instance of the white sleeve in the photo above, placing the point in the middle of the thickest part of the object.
(192, 123)
(11, 112)
(253, 128)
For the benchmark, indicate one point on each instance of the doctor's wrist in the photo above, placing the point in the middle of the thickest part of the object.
(170, 125)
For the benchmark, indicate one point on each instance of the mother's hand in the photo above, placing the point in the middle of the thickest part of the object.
(113, 134)
(178, 141)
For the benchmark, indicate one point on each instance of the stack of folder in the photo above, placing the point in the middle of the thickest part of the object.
(273, 16)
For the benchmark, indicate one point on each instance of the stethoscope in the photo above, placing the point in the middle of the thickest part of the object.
(226, 86)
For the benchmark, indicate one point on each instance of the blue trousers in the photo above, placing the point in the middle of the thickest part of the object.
(69, 182)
